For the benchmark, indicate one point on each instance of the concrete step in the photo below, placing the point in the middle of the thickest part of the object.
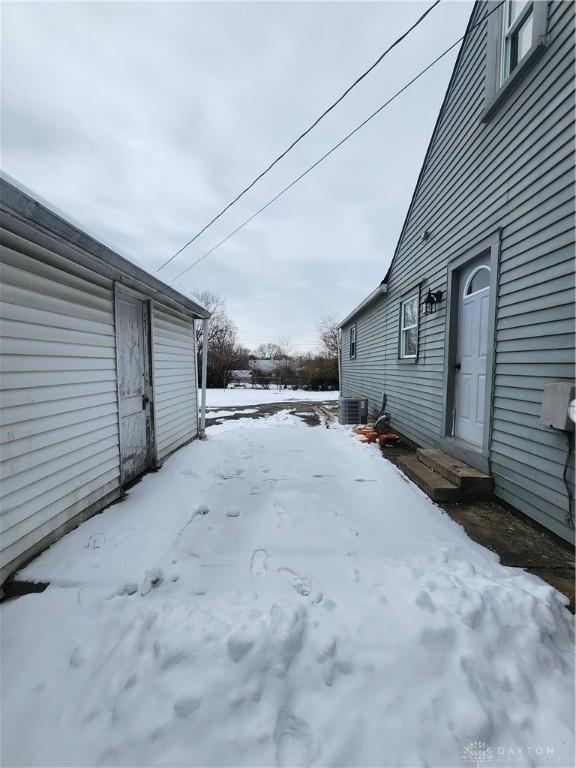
(475, 484)
(434, 485)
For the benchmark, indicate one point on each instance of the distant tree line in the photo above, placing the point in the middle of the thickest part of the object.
(312, 370)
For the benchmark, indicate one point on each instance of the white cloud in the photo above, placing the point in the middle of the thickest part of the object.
(141, 120)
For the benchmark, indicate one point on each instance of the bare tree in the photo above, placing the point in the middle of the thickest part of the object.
(224, 352)
(282, 350)
(285, 346)
(329, 337)
(268, 351)
(216, 305)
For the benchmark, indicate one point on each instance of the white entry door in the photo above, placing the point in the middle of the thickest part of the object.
(472, 348)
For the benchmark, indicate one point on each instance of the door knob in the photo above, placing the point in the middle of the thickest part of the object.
(145, 401)
(457, 367)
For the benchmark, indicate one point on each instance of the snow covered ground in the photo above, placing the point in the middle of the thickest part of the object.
(232, 397)
(281, 595)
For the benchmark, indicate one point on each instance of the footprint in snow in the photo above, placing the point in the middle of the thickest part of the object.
(259, 563)
(77, 657)
(293, 739)
(188, 473)
(282, 512)
(152, 579)
(130, 588)
(185, 706)
(425, 602)
(302, 584)
(232, 512)
(254, 491)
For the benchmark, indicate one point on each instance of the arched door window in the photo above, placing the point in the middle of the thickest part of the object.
(478, 280)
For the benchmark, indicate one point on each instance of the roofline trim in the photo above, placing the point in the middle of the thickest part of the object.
(443, 106)
(22, 202)
(381, 290)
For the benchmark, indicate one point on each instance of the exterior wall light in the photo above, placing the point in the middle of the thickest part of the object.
(433, 298)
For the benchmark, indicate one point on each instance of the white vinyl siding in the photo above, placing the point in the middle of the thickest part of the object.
(58, 424)
(175, 379)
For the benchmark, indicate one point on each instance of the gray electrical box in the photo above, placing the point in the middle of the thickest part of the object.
(556, 404)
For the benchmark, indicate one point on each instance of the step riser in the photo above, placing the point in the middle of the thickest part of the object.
(436, 494)
(424, 480)
(475, 487)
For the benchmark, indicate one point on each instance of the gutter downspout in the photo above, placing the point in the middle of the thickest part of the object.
(340, 362)
(202, 431)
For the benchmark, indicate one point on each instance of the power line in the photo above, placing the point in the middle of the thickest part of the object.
(335, 147)
(302, 135)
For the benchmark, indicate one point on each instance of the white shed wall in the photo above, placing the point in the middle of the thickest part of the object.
(175, 379)
(59, 425)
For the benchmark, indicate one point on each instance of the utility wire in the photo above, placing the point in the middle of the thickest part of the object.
(335, 147)
(302, 135)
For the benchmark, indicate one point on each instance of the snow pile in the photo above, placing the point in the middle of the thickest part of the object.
(239, 396)
(280, 595)
(219, 414)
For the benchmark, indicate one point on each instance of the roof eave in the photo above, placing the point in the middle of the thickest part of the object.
(20, 201)
(381, 290)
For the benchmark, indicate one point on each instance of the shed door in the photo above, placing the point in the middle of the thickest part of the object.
(472, 348)
(134, 391)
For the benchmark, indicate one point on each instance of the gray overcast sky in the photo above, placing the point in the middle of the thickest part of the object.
(141, 120)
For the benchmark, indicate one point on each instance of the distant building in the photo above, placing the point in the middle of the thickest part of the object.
(266, 366)
(242, 376)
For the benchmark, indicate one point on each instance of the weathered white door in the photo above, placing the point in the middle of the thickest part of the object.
(471, 354)
(133, 365)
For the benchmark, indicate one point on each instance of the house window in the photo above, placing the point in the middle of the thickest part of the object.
(353, 341)
(409, 327)
(517, 35)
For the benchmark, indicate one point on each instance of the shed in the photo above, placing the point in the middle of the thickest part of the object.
(98, 374)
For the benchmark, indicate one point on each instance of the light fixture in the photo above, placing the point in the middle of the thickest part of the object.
(433, 298)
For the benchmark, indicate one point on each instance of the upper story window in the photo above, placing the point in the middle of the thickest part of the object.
(409, 327)
(517, 32)
(353, 341)
(516, 37)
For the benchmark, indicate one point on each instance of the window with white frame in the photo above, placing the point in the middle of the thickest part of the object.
(409, 327)
(353, 341)
(517, 35)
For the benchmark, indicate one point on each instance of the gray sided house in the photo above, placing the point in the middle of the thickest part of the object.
(489, 241)
(98, 375)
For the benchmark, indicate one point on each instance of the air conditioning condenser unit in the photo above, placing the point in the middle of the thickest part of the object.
(353, 410)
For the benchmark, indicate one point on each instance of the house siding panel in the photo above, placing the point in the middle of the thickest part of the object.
(514, 174)
(59, 424)
(363, 375)
(175, 380)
